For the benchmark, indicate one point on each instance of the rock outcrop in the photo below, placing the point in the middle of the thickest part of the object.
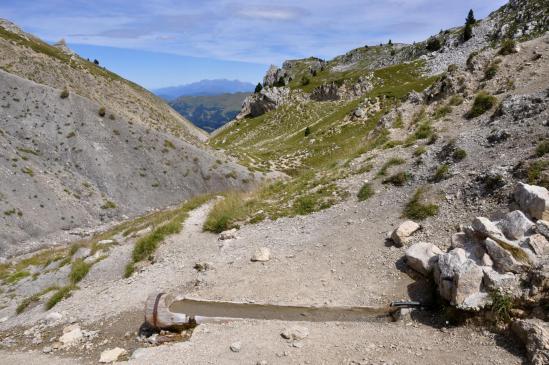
(269, 98)
(507, 255)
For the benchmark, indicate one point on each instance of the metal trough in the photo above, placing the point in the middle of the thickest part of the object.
(166, 311)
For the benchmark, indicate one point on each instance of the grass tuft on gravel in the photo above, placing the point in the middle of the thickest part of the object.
(417, 209)
(392, 162)
(32, 299)
(365, 192)
(398, 179)
(542, 149)
(483, 102)
(226, 212)
(79, 270)
(147, 245)
(58, 296)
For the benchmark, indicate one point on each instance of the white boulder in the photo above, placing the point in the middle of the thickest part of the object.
(402, 234)
(422, 256)
(295, 333)
(112, 355)
(533, 200)
(71, 335)
(228, 235)
(262, 254)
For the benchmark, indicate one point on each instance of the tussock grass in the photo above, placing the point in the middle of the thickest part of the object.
(108, 205)
(442, 111)
(226, 212)
(420, 151)
(483, 102)
(58, 296)
(542, 149)
(387, 165)
(33, 299)
(147, 245)
(16, 276)
(441, 173)
(79, 270)
(455, 100)
(398, 179)
(365, 192)
(417, 209)
(502, 303)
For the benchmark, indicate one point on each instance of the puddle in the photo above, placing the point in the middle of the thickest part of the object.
(229, 310)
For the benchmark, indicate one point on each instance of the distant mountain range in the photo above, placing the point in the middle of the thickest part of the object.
(205, 87)
(209, 112)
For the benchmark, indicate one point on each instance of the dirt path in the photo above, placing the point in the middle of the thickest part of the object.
(334, 257)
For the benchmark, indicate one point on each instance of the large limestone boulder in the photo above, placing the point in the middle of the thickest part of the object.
(534, 334)
(422, 257)
(402, 234)
(533, 200)
(515, 225)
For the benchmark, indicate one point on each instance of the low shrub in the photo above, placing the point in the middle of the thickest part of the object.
(483, 102)
(491, 71)
(433, 44)
(64, 94)
(459, 154)
(508, 47)
(102, 112)
(470, 59)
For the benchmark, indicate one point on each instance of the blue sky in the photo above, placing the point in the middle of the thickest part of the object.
(166, 42)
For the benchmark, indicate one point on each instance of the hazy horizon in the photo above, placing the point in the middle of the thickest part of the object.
(164, 43)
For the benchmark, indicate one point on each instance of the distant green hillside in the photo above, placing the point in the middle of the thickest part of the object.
(209, 112)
